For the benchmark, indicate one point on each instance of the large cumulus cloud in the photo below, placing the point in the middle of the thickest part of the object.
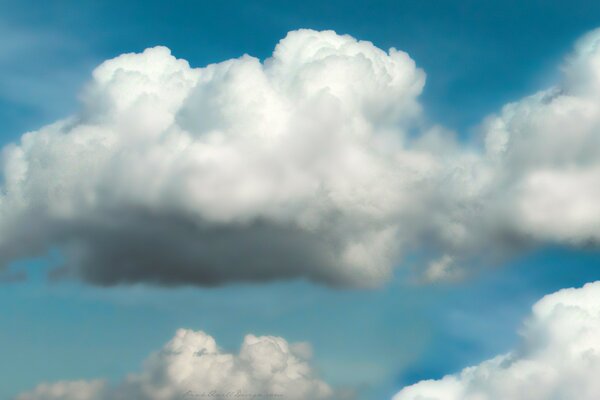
(191, 366)
(241, 170)
(314, 163)
(559, 357)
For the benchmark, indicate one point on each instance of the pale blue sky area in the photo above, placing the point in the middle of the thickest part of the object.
(477, 57)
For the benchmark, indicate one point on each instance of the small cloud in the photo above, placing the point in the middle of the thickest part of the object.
(442, 269)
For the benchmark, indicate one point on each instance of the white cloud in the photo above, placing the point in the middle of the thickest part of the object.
(237, 171)
(191, 366)
(545, 151)
(559, 357)
(297, 167)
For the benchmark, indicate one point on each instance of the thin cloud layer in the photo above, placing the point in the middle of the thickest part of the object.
(559, 357)
(192, 366)
(312, 164)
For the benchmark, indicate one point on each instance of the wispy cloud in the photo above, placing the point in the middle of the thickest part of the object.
(40, 71)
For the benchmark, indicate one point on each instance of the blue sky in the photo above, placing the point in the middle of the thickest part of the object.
(477, 57)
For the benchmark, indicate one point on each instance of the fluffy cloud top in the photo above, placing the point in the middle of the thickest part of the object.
(191, 366)
(299, 166)
(559, 357)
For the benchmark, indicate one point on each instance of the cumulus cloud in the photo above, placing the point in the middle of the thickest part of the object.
(241, 170)
(545, 150)
(559, 357)
(536, 178)
(192, 366)
(312, 164)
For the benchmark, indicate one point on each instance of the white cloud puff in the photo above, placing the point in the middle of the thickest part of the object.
(301, 166)
(545, 153)
(191, 366)
(559, 357)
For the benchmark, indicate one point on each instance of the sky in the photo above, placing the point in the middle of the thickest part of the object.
(373, 331)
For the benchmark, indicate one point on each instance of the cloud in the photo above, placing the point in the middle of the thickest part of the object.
(545, 150)
(239, 171)
(315, 164)
(534, 181)
(192, 366)
(558, 358)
